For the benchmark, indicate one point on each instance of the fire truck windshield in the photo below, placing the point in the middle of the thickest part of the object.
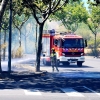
(73, 43)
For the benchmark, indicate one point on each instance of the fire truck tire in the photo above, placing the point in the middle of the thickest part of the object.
(79, 64)
(66, 63)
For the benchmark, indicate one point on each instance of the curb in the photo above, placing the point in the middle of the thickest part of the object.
(22, 74)
(92, 57)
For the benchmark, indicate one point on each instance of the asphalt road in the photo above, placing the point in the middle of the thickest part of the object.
(70, 83)
(90, 69)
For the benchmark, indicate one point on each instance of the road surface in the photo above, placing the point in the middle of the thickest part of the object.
(72, 82)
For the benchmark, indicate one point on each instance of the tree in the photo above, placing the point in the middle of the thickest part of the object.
(4, 26)
(94, 22)
(41, 10)
(18, 22)
(2, 9)
(16, 8)
(71, 15)
(20, 16)
(27, 31)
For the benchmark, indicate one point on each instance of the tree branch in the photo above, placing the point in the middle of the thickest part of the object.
(54, 9)
(33, 8)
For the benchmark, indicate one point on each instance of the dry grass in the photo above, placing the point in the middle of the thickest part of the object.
(87, 50)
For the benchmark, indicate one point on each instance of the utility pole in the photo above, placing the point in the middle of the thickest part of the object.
(0, 49)
(10, 37)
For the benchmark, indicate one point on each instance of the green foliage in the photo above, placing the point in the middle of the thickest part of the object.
(19, 20)
(5, 20)
(2, 9)
(19, 9)
(71, 15)
(84, 31)
(43, 8)
(94, 21)
(46, 2)
(96, 14)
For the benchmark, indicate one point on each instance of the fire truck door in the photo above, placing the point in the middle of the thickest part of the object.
(46, 46)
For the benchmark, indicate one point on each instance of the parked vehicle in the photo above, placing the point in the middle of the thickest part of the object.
(69, 48)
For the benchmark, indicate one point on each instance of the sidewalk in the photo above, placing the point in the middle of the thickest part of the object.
(21, 70)
(20, 75)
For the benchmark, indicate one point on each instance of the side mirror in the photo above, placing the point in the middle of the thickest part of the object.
(55, 42)
(85, 43)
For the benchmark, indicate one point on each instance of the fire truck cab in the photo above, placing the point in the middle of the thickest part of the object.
(69, 48)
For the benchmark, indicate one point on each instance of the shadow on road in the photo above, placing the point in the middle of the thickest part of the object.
(70, 66)
(46, 82)
(74, 66)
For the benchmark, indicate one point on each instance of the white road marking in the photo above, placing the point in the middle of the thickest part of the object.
(32, 92)
(91, 90)
(11, 92)
(72, 92)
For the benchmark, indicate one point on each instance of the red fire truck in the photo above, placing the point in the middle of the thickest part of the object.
(69, 48)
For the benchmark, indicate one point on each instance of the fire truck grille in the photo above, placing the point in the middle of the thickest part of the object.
(72, 54)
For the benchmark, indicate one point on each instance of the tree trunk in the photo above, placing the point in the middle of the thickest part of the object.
(4, 50)
(39, 47)
(25, 44)
(95, 47)
(19, 38)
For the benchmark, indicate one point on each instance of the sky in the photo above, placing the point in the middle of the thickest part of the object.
(85, 3)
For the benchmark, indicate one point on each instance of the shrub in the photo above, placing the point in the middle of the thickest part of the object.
(17, 53)
(2, 46)
(94, 53)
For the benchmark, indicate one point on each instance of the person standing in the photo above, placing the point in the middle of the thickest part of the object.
(53, 60)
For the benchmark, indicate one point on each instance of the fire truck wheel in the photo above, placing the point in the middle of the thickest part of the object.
(66, 63)
(79, 64)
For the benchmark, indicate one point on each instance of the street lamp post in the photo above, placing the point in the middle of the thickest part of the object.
(0, 50)
(10, 37)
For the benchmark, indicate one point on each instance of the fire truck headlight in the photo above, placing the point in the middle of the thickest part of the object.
(82, 54)
(63, 54)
